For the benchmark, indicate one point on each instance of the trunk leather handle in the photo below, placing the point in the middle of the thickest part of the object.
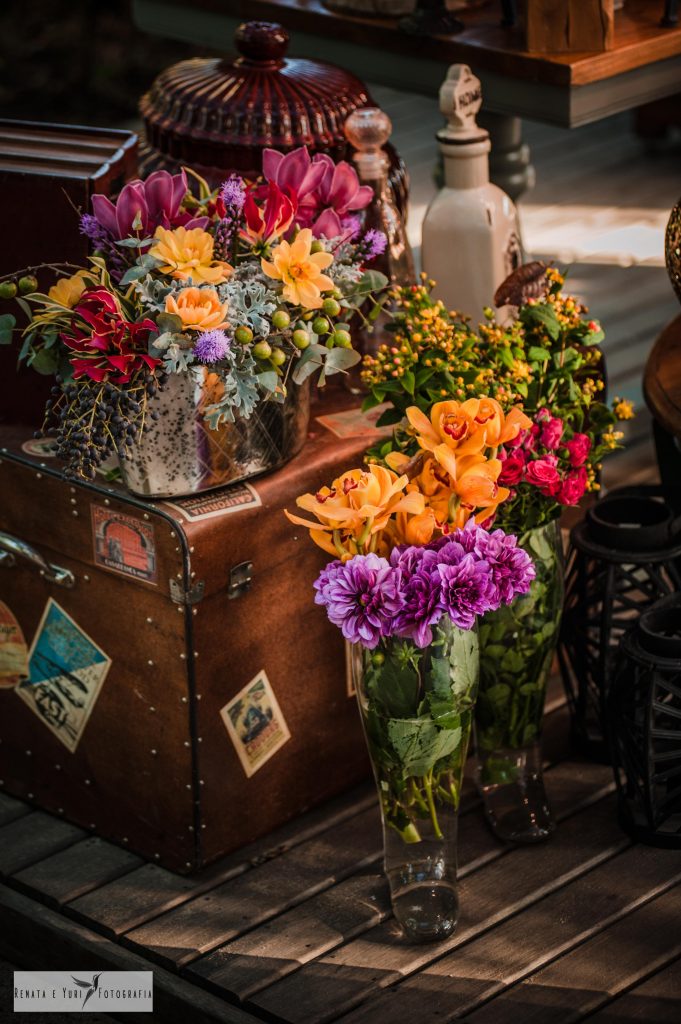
(12, 546)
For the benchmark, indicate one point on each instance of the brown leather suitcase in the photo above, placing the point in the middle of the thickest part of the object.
(184, 695)
(47, 173)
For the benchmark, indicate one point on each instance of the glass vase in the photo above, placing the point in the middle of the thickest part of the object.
(517, 646)
(417, 706)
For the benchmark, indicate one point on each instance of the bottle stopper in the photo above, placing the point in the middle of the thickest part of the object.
(460, 101)
(368, 129)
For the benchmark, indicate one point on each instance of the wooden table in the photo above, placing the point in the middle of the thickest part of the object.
(297, 928)
(563, 89)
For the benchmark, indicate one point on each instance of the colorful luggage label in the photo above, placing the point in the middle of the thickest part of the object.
(255, 724)
(124, 544)
(235, 498)
(66, 672)
(13, 650)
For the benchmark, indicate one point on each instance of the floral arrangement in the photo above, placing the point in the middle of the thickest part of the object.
(407, 594)
(256, 283)
(545, 361)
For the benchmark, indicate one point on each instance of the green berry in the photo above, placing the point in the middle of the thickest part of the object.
(342, 339)
(27, 284)
(331, 307)
(263, 350)
(316, 246)
(280, 320)
(244, 335)
(320, 325)
(301, 339)
(278, 357)
(377, 658)
(8, 289)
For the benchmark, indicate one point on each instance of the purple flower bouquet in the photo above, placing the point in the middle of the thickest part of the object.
(412, 622)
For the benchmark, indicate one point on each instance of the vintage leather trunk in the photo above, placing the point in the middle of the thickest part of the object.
(49, 172)
(183, 695)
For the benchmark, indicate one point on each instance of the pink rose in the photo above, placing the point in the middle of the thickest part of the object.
(517, 441)
(573, 487)
(579, 448)
(512, 468)
(544, 475)
(531, 437)
(551, 433)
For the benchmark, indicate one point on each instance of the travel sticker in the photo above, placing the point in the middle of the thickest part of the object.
(255, 724)
(124, 544)
(13, 650)
(66, 670)
(207, 506)
(40, 447)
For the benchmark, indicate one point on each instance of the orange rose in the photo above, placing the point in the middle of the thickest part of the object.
(199, 309)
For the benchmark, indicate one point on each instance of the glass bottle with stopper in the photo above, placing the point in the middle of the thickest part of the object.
(368, 130)
(471, 237)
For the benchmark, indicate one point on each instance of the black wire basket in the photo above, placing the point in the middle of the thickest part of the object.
(624, 556)
(644, 721)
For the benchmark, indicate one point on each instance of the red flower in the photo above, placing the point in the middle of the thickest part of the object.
(113, 348)
(512, 469)
(542, 473)
(551, 432)
(573, 487)
(579, 448)
(263, 223)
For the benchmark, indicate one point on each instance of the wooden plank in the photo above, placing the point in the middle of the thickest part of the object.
(203, 923)
(10, 809)
(656, 1001)
(37, 937)
(33, 837)
(343, 978)
(76, 870)
(456, 984)
(588, 977)
(266, 954)
(143, 894)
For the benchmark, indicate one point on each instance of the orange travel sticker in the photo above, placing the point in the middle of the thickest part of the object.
(13, 650)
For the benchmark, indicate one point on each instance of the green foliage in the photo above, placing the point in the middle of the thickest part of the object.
(7, 325)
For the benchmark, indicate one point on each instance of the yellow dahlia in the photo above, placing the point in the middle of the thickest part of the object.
(300, 270)
(189, 254)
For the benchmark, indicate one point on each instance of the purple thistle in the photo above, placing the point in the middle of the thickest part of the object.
(223, 238)
(510, 567)
(422, 607)
(362, 597)
(372, 245)
(233, 192)
(466, 590)
(212, 346)
(101, 241)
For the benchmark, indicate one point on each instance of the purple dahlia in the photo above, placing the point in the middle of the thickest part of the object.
(422, 607)
(362, 597)
(510, 568)
(466, 590)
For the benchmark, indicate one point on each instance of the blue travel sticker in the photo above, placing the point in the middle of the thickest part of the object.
(66, 672)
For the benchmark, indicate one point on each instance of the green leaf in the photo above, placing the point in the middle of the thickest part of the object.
(169, 322)
(506, 357)
(419, 744)
(340, 359)
(7, 325)
(268, 380)
(542, 315)
(45, 361)
(409, 382)
(387, 418)
(538, 355)
(395, 687)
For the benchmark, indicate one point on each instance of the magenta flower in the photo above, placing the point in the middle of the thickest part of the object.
(573, 487)
(142, 206)
(551, 432)
(466, 590)
(362, 597)
(542, 473)
(422, 607)
(578, 448)
(510, 568)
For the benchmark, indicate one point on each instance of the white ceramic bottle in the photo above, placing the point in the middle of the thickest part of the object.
(471, 237)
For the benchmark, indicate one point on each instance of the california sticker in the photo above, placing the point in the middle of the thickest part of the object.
(66, 670)
(13, 650)
(255, 724)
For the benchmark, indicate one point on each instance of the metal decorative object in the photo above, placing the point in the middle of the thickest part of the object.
(644, 710)
(181, 455)
(216, 115)
(621, 560)
(672, 249)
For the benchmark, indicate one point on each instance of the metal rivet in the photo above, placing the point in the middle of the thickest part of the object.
(179, 575)
(194, 611)
(124, 839)
(152, 709)
(187, 863)
(186, 743)
(201, 782)
(39, 476)
(72, 489)
(57, 767)
(203, 826)
(92, 825)
(154, 752)
(74, 512)
(183, 655)
(188, 786)
(172, 534)
(86, 577)
(191, 550)
(196, 654)
(107, 501)
(191, 828)
(192, 574)
(180, 608)
(28, 753)
(150, 662)
(184, 700)
(178, 549)
(157, 856)
(60, 810)
(198, 696)
(72, 500)
(200, 739)
(87, 782)
(30, 796)
(149, 618)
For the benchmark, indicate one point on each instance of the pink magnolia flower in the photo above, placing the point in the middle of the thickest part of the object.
(327, 193)
(542, 473)
(142, 206)
(579, 448)
(551, 432)
(573, 487)
(512, 468)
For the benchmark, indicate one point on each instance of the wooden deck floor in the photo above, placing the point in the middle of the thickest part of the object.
(297, 928)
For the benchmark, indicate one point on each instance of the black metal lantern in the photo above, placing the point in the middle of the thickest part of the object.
(644, 716)
(621, 560)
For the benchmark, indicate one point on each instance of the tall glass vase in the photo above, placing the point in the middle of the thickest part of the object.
(517, 646)
(417, 707)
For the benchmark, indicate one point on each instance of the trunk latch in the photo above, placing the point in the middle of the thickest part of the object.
(240, 577)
